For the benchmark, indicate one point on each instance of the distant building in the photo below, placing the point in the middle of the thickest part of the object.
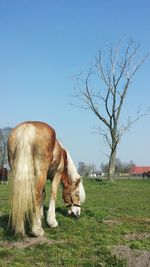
(96, 174)
(139, 170)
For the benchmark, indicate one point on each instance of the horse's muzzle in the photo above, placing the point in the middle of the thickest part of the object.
(75, 211)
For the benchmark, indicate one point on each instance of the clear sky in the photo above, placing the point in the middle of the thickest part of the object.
(45, 43)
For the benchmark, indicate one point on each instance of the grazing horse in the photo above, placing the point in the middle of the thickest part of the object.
(34, 154)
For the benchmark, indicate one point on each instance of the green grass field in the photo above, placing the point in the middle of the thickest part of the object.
(114, 214)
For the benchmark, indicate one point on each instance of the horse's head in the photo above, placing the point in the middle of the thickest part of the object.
(74, 196)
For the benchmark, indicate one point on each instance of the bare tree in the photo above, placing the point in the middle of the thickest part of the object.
(116, 73)
(3, 145)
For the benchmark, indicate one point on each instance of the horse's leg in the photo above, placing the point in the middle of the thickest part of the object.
(37, 229)
(43, 198)
(51, 217)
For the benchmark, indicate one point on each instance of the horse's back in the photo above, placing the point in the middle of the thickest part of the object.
(38, 133)
(39, 127)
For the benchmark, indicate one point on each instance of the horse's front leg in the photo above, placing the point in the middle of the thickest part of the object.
(51, 216)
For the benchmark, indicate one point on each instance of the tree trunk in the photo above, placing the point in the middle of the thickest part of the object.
(112, 165)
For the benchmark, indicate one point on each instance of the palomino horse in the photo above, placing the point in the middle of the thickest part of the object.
(34, 153)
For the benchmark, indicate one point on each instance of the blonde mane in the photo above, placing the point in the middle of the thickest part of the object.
(71, 168)
(74, 175)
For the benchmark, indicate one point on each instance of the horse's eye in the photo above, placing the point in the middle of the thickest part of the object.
(77, 194)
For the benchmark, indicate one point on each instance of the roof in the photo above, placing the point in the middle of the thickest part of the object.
(139, 169)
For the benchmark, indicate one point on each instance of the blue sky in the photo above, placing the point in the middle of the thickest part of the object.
(44, 44)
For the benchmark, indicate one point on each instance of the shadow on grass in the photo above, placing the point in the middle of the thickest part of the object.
(89, 213)
(5, 231)
(64, 212)
(60, 210)
(86, 211)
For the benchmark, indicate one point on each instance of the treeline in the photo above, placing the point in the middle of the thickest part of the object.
(121, 167)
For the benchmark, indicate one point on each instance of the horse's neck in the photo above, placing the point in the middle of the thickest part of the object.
(70, 171)
(71, 168)
(65, 179)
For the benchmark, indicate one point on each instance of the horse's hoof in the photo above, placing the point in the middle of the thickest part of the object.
(37, 231)
(52, 223)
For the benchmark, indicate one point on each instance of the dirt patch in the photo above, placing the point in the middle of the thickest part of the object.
(28, 242)
(112, 222)
(120, 220)
(136, 236)
(134, 258)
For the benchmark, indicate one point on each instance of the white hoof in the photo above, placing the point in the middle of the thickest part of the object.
(52, 222)
(37, 231)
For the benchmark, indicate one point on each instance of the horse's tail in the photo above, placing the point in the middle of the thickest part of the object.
(23, 179)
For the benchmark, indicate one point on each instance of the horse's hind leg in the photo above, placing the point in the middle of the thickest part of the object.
(51, 217)
(37, 229)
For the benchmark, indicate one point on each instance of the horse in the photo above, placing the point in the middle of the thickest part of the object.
(3, 175)
(146, 174)
(34, 153)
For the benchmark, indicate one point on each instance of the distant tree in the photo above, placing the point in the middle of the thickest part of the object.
(104, 167)
(84, 169)
(130, 165)
(119, 166)
(106, 99)
(81, 168)
(4, 133)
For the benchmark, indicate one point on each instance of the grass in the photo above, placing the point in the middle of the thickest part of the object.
(114, 214)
